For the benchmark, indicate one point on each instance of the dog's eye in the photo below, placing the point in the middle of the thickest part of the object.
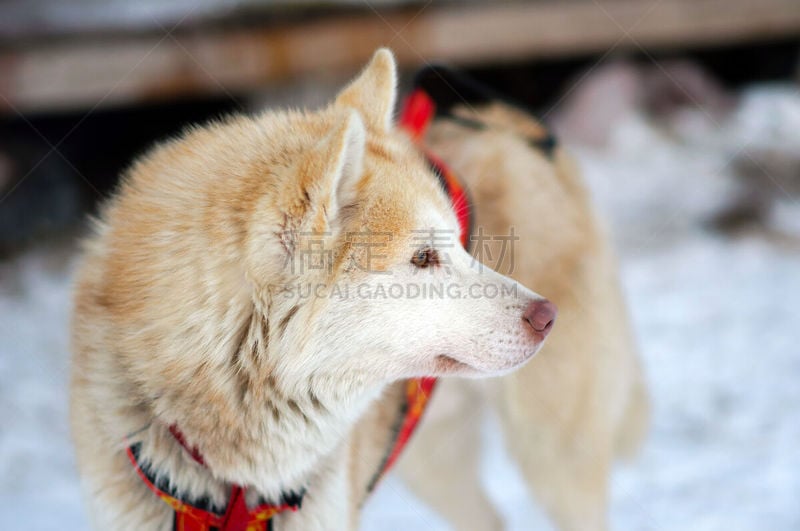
(425, 257)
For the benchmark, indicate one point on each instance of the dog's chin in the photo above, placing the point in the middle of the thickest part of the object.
(448, 366)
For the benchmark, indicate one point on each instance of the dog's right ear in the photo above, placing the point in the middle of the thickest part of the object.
(374, 91)
(333, 169)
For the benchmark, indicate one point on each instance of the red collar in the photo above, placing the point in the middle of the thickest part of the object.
(200, 515)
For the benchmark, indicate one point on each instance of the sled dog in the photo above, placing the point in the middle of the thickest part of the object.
(237, 311)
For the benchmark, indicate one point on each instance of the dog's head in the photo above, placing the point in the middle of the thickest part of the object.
(356, 258)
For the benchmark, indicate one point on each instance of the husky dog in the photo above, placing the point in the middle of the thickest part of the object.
(582, 401)
(235, 316)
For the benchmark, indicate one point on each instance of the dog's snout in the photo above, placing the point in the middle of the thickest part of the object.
(540, 315)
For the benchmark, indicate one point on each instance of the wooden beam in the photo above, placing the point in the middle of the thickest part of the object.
(95, 71)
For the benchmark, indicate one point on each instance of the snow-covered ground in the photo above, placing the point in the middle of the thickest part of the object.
(716, 318)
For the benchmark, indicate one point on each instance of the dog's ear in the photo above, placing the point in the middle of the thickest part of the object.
(335, 165)
(374, 92)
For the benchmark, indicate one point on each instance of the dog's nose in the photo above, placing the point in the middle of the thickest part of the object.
(540, 315)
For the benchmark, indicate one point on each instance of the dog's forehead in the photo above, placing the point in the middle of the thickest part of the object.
(401, 195)
(397, 226)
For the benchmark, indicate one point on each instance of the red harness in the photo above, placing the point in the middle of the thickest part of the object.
(417, 114)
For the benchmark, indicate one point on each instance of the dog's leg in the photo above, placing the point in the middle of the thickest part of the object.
(636, 421)
(442, 461)
(565, 463)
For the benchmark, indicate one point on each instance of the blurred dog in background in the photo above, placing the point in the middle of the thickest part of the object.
(569, 413)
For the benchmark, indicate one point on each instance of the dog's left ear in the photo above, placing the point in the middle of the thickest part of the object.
(374, 92)
(335, 165)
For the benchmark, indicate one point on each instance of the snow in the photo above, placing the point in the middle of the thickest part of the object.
(38, 483)
(716, 318)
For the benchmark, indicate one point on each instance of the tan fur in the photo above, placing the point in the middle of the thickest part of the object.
(185, 311)
(582, 401)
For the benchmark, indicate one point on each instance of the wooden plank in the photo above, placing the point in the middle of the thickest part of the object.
(37, 19)
(567, 28)
(94, 72)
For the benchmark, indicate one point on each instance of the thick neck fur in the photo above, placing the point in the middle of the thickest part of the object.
(255, 430)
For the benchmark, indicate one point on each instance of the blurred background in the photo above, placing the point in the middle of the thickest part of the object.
(683, 114)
